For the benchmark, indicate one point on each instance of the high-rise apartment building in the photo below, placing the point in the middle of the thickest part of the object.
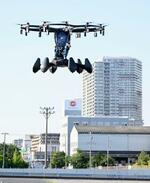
(114, 89)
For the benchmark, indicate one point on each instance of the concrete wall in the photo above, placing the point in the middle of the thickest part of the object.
(124, 174)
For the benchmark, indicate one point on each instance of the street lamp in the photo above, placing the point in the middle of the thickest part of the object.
(46, 111)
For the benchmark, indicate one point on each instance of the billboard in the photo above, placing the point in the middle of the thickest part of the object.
(73, 104)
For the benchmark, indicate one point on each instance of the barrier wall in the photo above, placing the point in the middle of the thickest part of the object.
(125, 174)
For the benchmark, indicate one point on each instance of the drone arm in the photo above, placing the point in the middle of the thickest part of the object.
(78, 30)
(36, 28)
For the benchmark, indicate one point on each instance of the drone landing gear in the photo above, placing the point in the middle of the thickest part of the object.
(45, 65)
(52, 69)
(79, 67)
(37, 65)
(72, 66)
(87, 66)
(52, 66)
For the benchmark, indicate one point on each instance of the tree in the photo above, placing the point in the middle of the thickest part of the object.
(9, 150)
(13, 157)
(143, 158)
(1, 160)
(97, 160)
(78, 160)
(67, 160)
(109, 160)
(18, 162)
(58, 160)
(101, 160)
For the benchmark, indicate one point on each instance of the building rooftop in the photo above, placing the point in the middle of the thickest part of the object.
(113, 129)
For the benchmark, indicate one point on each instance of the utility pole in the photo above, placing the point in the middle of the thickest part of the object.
(90, 154)
(46, 111)
(3, 165)
(107, 152)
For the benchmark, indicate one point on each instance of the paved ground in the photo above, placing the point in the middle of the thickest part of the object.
(27, 180)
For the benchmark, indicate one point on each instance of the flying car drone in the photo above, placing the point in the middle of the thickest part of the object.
(62, 36)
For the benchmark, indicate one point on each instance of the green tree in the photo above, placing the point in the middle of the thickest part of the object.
(79, 160)
(11, 153)
(1, 160)
(18, 161)
(9, 150)
(58, 160)
(143, 158)
(97, 159)
(109, 160)
(67, 160)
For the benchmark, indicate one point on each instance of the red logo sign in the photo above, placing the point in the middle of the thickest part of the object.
(72, 103)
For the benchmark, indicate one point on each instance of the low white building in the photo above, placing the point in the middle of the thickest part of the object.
(69, 121)
(119, 141)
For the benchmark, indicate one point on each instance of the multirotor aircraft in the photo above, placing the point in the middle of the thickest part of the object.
(62, 36)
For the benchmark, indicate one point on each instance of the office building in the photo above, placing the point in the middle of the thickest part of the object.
(114, 89)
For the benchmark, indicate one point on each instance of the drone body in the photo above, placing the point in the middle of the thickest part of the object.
(62, 37)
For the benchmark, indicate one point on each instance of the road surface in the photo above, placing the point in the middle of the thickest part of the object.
(28, 180)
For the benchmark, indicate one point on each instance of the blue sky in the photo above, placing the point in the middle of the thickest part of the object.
(22, 92)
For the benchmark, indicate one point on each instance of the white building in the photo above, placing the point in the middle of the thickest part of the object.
(69, 121)
(26, 148)
(38, 148)
(18, 143)
(120, 142)
(114, 89)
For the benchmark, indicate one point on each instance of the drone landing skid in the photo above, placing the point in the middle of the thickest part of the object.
(52, 66)
(79, 67)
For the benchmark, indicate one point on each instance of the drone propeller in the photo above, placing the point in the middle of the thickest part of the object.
(65, 22)
(88, 23)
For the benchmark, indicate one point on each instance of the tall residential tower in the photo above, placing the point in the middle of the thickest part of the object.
(114, 89)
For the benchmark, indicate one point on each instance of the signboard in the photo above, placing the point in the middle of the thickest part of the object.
(74, 104)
